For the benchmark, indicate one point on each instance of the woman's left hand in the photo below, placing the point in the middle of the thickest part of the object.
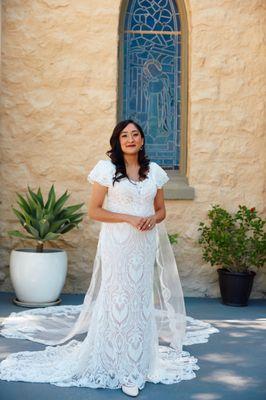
(148, 224)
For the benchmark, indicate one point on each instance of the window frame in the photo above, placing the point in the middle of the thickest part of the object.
(178, 187)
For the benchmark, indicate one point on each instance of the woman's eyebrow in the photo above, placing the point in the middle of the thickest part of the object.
(135, 130)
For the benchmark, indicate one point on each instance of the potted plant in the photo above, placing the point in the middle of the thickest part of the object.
(237, 244)
(173, 237)
(37, 274)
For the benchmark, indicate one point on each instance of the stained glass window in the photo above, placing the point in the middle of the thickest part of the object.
(151, 76)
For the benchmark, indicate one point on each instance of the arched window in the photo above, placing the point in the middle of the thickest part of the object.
(152, 84)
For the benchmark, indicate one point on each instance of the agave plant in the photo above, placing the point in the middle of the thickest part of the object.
(45, 221)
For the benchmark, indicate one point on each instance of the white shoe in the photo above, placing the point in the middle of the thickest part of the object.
(130, 390)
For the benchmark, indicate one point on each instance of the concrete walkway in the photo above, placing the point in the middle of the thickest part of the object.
(232, 364)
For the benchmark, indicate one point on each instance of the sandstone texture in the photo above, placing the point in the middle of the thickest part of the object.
(59, 103)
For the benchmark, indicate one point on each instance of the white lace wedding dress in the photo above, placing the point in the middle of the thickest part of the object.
(133, 314)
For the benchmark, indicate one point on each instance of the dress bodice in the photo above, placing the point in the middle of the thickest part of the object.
(127, 196)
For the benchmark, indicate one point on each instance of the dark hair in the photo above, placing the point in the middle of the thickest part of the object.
(116, 154)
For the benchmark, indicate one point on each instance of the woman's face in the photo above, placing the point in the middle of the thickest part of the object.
(130, 139)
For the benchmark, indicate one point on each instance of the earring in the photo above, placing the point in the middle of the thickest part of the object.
(141, 147)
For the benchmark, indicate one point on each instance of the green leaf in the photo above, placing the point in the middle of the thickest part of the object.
(23, 203)
(33, 231)
(19, 234)
(51, 236)
(32, 205)
(44, 227)
(34, 197)
(60, 202)
(74, 217)
(66, 212)
(76, 222)
(51, 200)
(39, 194)
(68, 228)
(39, 212)
(27, 216)
(49, 216)
(173, 237)
(19, 215)
(57, 224)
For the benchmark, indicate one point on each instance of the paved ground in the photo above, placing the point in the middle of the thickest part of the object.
(232, 364)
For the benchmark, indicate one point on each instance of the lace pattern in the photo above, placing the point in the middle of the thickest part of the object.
(133, 333)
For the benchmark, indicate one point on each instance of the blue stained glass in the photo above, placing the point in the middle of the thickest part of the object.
(153, 15)
(151, 76)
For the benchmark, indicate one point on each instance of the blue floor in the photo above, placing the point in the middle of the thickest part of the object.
(232, 364)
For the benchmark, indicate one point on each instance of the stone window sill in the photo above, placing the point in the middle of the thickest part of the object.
(177, 188)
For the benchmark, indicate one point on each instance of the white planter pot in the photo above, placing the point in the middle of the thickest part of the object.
(38, 277)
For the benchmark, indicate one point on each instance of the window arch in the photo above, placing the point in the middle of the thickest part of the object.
(152, 76)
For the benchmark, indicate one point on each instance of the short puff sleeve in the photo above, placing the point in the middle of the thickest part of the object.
(102, 173)
(159, 175)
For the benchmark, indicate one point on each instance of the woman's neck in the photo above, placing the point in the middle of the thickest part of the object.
(131, 160)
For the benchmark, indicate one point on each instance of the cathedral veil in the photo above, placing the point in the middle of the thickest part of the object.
(169, 303)
(57, 324)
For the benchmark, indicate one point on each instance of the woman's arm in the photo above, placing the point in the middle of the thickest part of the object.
(159, 206)
(96, 211)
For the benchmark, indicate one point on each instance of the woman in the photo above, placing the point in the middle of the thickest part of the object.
(133, 313)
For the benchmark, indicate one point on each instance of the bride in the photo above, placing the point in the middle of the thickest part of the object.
(133, 315)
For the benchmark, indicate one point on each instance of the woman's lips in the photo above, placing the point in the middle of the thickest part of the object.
(132, 145)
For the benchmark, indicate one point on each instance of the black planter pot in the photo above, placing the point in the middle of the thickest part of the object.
(235, 287)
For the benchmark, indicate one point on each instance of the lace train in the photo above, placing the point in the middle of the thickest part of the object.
(61, 365)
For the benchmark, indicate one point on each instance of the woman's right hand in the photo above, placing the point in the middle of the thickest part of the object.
(135, 221)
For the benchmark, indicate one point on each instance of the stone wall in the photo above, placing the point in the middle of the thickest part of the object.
(59, 96)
